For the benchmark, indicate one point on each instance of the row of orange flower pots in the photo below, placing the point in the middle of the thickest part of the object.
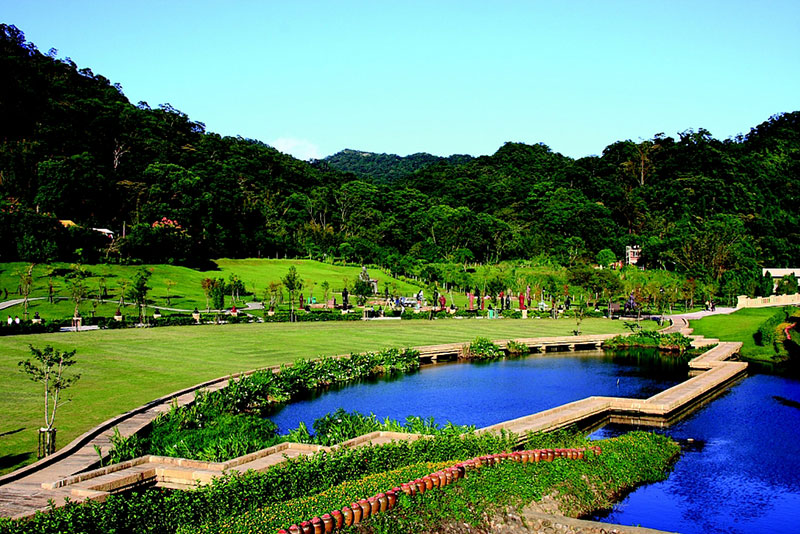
(364, 508)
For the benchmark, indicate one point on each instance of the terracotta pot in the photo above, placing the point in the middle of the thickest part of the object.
(448, 476)
(407, 489)
(462, 471)
(295, 529)
(365, 508)
(442, 479)
(283, 531)
(383, 501)
(316, 524)
(306, 527)
(525, 456)
(338, 518)
(454, 472)
(356, 508)
(347, 516)
(420, 486)
(435, 479)
(428, 482)
(374, 506)
(581, 454)
(327, 522)
(391, 499)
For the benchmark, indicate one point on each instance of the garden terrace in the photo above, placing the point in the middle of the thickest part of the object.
(718, 374)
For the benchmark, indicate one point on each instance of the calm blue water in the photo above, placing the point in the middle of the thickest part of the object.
(742, 474)
(483, 394)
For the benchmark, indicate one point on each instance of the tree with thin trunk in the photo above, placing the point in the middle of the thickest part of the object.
(77, 289)
(170, 284)
(139, 289)
(48, 367)
(208, 286)
(25, 286)
(123, 284)
(293, 284)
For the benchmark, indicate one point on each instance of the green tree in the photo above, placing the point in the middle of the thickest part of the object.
(49, 368)
(169, 285)
(293, 284)
(787, 285)
(605, 257)
(139, 289)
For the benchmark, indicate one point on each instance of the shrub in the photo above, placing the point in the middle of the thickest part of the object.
(651, 339)
(483, 349)
(768, 332)
(516, 348)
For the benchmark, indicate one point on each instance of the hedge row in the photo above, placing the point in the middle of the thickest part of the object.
(768, 332)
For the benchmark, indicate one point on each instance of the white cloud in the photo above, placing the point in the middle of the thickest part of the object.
(299, 148)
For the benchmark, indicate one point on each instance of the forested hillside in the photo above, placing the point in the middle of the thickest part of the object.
(73, 147)
(386, 168)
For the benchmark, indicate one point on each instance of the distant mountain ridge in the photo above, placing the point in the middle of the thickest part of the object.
(387, 168)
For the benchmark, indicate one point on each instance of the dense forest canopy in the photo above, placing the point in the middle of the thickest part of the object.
(72, 147)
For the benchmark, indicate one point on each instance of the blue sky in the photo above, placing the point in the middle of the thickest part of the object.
(313, 78)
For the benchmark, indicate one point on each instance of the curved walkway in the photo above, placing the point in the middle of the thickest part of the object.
(29, 489)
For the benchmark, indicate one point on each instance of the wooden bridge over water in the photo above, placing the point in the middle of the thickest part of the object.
(67, 473)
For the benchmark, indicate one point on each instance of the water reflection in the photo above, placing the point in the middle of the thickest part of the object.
(483, 394)
(744, 479)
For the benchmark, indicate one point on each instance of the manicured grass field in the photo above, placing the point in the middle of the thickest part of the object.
(739, 326)
(187, 293)
(123, 369)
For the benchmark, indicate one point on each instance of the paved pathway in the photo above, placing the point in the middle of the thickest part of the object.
(30, 488)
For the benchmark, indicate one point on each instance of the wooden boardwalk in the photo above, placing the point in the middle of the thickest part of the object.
(69, 473)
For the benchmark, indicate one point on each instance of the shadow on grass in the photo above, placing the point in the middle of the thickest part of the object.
(14, 460)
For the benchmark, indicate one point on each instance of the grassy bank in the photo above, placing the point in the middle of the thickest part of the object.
(288, 493)
(741, 326)
(581, 486)
(186, 292)
(123, 369)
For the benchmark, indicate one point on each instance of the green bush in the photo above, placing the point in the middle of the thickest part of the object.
(768, 332)
(483, 349)
(650, 339)
(516, 348)
(342, 425)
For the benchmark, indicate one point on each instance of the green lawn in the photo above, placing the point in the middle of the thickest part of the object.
(187, 292)
(739, 326)
(123, 369)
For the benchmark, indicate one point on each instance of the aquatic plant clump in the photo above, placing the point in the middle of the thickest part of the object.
(675, 342)
(230, 422)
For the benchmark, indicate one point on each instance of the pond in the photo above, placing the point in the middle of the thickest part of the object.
(740, 473)
(484, 394)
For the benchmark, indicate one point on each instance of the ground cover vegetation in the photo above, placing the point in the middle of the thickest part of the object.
(123, 369)
(760, 330)
(230, 422)
(75, 149)
(288, 491)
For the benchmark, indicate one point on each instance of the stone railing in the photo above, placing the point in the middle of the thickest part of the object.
(762, 302)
